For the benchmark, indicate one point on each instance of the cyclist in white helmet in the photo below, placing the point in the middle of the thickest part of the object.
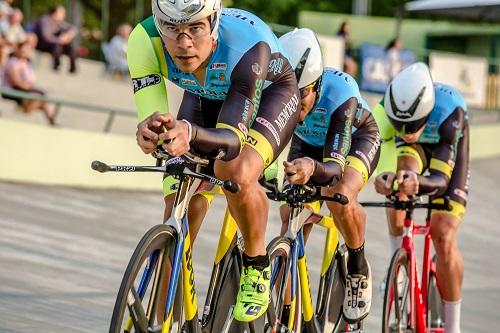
(429, 123)
(240, 106)
(335, 145)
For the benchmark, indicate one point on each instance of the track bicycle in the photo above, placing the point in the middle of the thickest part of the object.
(157, 292)
(411, 305)
(288, 265)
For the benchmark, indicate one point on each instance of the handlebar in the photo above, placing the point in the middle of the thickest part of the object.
(296, 194)
(177, 166)
(410, 204)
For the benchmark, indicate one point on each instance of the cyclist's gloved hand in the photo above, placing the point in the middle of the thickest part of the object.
(408, 182)
(148, 131)
(299, 170)
(176, 138)
(384, 183)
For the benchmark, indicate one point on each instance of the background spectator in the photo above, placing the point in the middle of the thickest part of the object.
(5, 10)
(19, 75)
(15, 34)
(394, 57)
(350, 65)
(57, 37)
(117, 50)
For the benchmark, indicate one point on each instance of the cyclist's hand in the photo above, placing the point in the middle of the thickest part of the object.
(383, 183)
(299, 171)
(408, 182)
(176, 138)
(148, 131)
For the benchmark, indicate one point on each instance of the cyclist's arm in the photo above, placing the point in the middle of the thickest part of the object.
(337, 144)
(444, 155)
(247, 80)
(150, 93)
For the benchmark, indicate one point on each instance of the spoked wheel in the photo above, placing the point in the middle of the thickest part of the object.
(397, 312)
(435, 312)
(140, 303)
(279, 251)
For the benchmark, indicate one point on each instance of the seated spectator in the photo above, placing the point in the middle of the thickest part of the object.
(57, 37)
(117, 50)
(15, 34)
(19, 75)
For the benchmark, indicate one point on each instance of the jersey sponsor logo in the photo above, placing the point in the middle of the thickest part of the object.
(320, 110)
(243, 128)
(373, 150)
(288, 109)
(336, 142)
(270, 127)
(318, 125)
(337, 156)
(145, 81)
(461, 193)
(256, 68)
(246, 110)
(238, 14)
(364, 158)
(188, 82)
(276, 66)
(205, 92)
(218, 65)
(346, 135)
(251, 140)
(309, 132)
(258, 93)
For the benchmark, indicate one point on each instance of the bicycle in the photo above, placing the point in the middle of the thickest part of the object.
(164, 256)
(417, 305)
(288, 259)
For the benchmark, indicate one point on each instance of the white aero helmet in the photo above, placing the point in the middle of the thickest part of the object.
(410, 97)
(304, 54)
(187, 11)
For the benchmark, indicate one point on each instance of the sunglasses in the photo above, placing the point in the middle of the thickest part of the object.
(305, 91)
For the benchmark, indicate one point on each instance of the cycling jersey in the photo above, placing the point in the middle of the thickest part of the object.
(247, 77)
(442, 148)
(339, 130)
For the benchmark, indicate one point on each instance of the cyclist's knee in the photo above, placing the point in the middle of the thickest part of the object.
(243, 170)
(443, 233)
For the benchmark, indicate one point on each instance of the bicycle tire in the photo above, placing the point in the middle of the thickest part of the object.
(281, 247)
(435, 311)
(160, 237)
(398, 288)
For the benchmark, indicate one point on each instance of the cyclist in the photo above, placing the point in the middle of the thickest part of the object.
(430, 124)
(335, 145)
(233, 72)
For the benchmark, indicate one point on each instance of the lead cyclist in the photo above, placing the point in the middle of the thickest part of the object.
(240, 106)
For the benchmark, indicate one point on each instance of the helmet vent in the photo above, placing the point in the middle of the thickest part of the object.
(302, 63)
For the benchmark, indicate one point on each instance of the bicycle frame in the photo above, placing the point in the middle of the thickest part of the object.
(419, 292)
(298, 218)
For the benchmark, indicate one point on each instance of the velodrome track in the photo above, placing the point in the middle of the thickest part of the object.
(63, 252)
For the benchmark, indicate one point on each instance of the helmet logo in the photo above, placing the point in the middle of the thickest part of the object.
(302, 64)
(408, 113)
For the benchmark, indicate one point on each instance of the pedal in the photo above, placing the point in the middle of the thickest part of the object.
(353, 328)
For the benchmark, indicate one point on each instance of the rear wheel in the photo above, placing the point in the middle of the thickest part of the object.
(397, 310)
(140, 302)
(435, 313)
(280, 251)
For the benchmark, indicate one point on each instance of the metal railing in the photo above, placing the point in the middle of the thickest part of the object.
(59, 103)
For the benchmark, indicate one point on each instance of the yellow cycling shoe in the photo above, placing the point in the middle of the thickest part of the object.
(253, 295)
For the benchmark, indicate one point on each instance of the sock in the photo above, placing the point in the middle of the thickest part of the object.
(258, 262)
(356, 264)
(395, 243)
(452, 316)
(286, 314)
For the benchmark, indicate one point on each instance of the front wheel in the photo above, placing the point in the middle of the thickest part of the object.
(140, 302)
(280, 253)
(398, 310)
(435, 313)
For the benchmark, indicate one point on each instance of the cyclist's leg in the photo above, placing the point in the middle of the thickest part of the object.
(444, 225)
(268, 136)
(350, 219)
